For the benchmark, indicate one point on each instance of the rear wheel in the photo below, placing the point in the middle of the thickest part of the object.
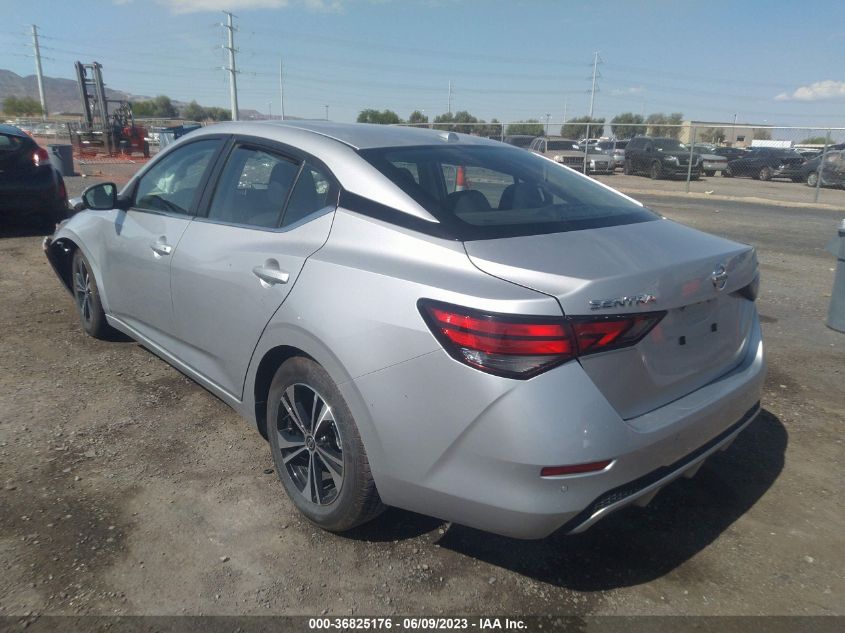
(709, 174)
(727, 173)
(627, 168)
(765, 173)
(87, 298)
(813, 179)
(655, 170)
(318, 452)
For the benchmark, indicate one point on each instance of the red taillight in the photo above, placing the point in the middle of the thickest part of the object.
(524, 346)
(40, 157)
(612, 332)
(574, 469)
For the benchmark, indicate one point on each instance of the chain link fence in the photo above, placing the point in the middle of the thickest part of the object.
(785, 164)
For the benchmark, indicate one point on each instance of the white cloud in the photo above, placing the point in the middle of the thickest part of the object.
(816, 91)
(196, 6)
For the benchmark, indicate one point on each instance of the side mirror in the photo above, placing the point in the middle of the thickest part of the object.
(100, 197)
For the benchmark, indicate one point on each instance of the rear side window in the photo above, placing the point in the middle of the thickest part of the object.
(10, 143)
(484, 192)
(314, 190)
(253, 188)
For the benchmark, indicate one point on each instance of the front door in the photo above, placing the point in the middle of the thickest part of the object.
(235, 266)
(139, 252)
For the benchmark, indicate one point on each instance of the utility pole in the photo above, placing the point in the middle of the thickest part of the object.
(548, 116)
(281, 89)
(565, 104)
(450, 96)
(327, 111)
(38, 73)
(596, 75)
(233, 82)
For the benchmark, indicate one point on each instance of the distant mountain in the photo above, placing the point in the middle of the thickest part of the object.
(62, 94)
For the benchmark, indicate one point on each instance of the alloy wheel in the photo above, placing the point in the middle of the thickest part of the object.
(82, 289)
(310, 444)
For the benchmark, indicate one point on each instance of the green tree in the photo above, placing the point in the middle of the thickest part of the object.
(17, 106)
(417, 117)
(627, 125)
(194, 112)
(579, 127)
(383, 117)
(713, 135)
(660, 125)
(814, 140)
(761, 134)
(531, 127)
(164, 107)
(218, 114)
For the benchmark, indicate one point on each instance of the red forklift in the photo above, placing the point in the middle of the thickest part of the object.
(102, 132)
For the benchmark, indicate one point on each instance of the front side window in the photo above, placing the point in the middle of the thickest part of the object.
(669, 145)
(504, 192)
(253, 188)
(171, 184)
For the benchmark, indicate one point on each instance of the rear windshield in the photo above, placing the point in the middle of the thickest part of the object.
(10, 143)
(561, 145)
(669, 145)
(481, 192)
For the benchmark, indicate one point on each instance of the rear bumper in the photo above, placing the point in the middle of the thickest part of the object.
(34, 193)
(713, 166)
(468, 447)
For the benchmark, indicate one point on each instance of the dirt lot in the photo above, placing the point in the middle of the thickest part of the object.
(125, 488)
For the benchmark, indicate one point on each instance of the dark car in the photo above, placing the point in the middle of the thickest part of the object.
(660, 157)
(28, 183)
(833, 173)
(765, 163)
(519, 140)
(731, 153)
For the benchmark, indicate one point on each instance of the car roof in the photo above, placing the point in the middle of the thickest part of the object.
(12, 130)
(355, 135)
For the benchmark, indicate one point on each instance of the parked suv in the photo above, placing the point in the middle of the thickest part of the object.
(660, 157)
(615, 149)
(568, 152)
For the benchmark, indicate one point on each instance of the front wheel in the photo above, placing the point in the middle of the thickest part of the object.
(765, 174)
(709, 174)
(627, 168)
(813, 179)
(317, 450)
(87, 298)
(727, 173)
(655, 171)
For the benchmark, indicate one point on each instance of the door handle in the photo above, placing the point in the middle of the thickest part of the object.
(271, 276)
(161, 249)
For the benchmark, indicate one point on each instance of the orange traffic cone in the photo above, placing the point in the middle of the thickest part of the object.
(461, 179)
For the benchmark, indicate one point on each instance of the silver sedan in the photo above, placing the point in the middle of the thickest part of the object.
(426, 320)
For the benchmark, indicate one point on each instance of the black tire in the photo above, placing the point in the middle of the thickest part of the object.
(765, 174)
(146, 149)
(655, 171)
(709, 174)
(297, 384)
(87, 298)
(727, 173)
(627, 168)
(812, 179)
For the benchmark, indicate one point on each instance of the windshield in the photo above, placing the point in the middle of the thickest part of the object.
(562, 145)
(481, 192)
(669, 145)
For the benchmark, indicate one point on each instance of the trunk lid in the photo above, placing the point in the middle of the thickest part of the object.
(705, 330)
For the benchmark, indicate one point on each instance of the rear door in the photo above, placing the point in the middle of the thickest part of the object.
(269, 211)
(139, 251)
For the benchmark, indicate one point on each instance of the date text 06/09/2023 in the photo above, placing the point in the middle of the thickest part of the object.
(416, 624)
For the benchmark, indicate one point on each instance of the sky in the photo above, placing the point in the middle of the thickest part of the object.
(773, 63)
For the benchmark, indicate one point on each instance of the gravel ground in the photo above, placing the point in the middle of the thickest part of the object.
(125, 488)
